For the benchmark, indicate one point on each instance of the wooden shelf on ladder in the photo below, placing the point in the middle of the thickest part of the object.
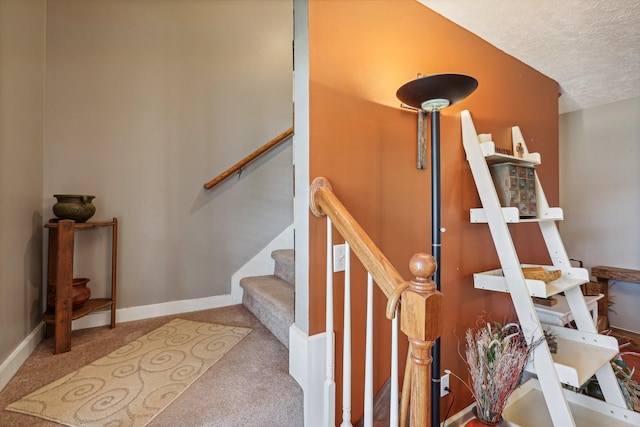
(582, 352)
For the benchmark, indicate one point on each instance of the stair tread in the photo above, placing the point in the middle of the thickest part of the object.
(271, 289)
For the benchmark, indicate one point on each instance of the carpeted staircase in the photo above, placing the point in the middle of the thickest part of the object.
(271, 298)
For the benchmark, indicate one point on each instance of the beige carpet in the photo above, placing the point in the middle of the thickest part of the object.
(132, 385)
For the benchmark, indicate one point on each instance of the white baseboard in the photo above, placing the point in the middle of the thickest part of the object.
(307, 367)
(262, 264)
(15, 360)
(101, 318)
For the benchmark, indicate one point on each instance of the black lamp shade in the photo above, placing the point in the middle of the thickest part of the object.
(451, 87)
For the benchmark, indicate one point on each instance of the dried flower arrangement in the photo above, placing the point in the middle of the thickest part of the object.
(496, 356)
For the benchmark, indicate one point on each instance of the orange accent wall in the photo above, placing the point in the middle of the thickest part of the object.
(360, 53)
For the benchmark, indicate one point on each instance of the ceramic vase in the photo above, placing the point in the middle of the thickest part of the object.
(80, 293)
(477, 422)
(74, 206)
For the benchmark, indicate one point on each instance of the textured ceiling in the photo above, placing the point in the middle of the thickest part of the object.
(590, 47)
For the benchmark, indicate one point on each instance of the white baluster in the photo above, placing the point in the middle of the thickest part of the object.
(329, 382)
(393, 408)
(346, 352)
(368, 365)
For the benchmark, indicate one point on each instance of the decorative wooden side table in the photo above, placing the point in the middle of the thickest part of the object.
(603, 274)
(60, 275)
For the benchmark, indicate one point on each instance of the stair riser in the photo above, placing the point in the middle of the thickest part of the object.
(284, 265)
(278, 327)
(285, 273)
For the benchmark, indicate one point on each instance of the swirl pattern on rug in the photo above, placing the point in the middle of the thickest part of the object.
(133, 384)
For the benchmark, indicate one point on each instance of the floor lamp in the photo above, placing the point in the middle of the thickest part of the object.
(430, 94)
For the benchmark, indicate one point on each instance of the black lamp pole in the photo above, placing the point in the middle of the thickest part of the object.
(431, 94)
(436, 246)
(436, 231)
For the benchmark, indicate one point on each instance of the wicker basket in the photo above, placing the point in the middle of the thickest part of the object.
(539, 273)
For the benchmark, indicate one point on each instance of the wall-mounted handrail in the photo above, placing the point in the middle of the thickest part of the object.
(250, 158)
(420, 317)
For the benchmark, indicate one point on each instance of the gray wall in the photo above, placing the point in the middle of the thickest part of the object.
(600, 195)
(22, 55)
(146, 101)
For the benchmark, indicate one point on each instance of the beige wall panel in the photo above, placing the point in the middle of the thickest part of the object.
(22, 56)
(146, 101)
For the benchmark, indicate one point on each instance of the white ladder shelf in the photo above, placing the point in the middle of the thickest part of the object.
(582, 352)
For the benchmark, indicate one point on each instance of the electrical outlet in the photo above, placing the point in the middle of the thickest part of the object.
(444, 383)
(338, 258)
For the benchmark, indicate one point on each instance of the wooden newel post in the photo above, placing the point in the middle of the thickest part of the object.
(421, 321)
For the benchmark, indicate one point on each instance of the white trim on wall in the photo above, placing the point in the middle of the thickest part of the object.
(301, 161)
(306, 366)
(15, 360)
(129, 314)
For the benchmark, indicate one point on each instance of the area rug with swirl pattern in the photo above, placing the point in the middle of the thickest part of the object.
(132, 385)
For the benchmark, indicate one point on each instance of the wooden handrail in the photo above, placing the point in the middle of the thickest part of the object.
(251, 157)
(324, 202)
(421, 315)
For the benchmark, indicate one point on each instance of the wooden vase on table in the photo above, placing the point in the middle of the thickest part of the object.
(80, 293)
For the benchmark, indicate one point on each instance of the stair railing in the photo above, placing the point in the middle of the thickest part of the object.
(238, 167)
(420, 318)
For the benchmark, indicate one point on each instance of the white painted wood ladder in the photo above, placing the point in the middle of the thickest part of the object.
(582, 352)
